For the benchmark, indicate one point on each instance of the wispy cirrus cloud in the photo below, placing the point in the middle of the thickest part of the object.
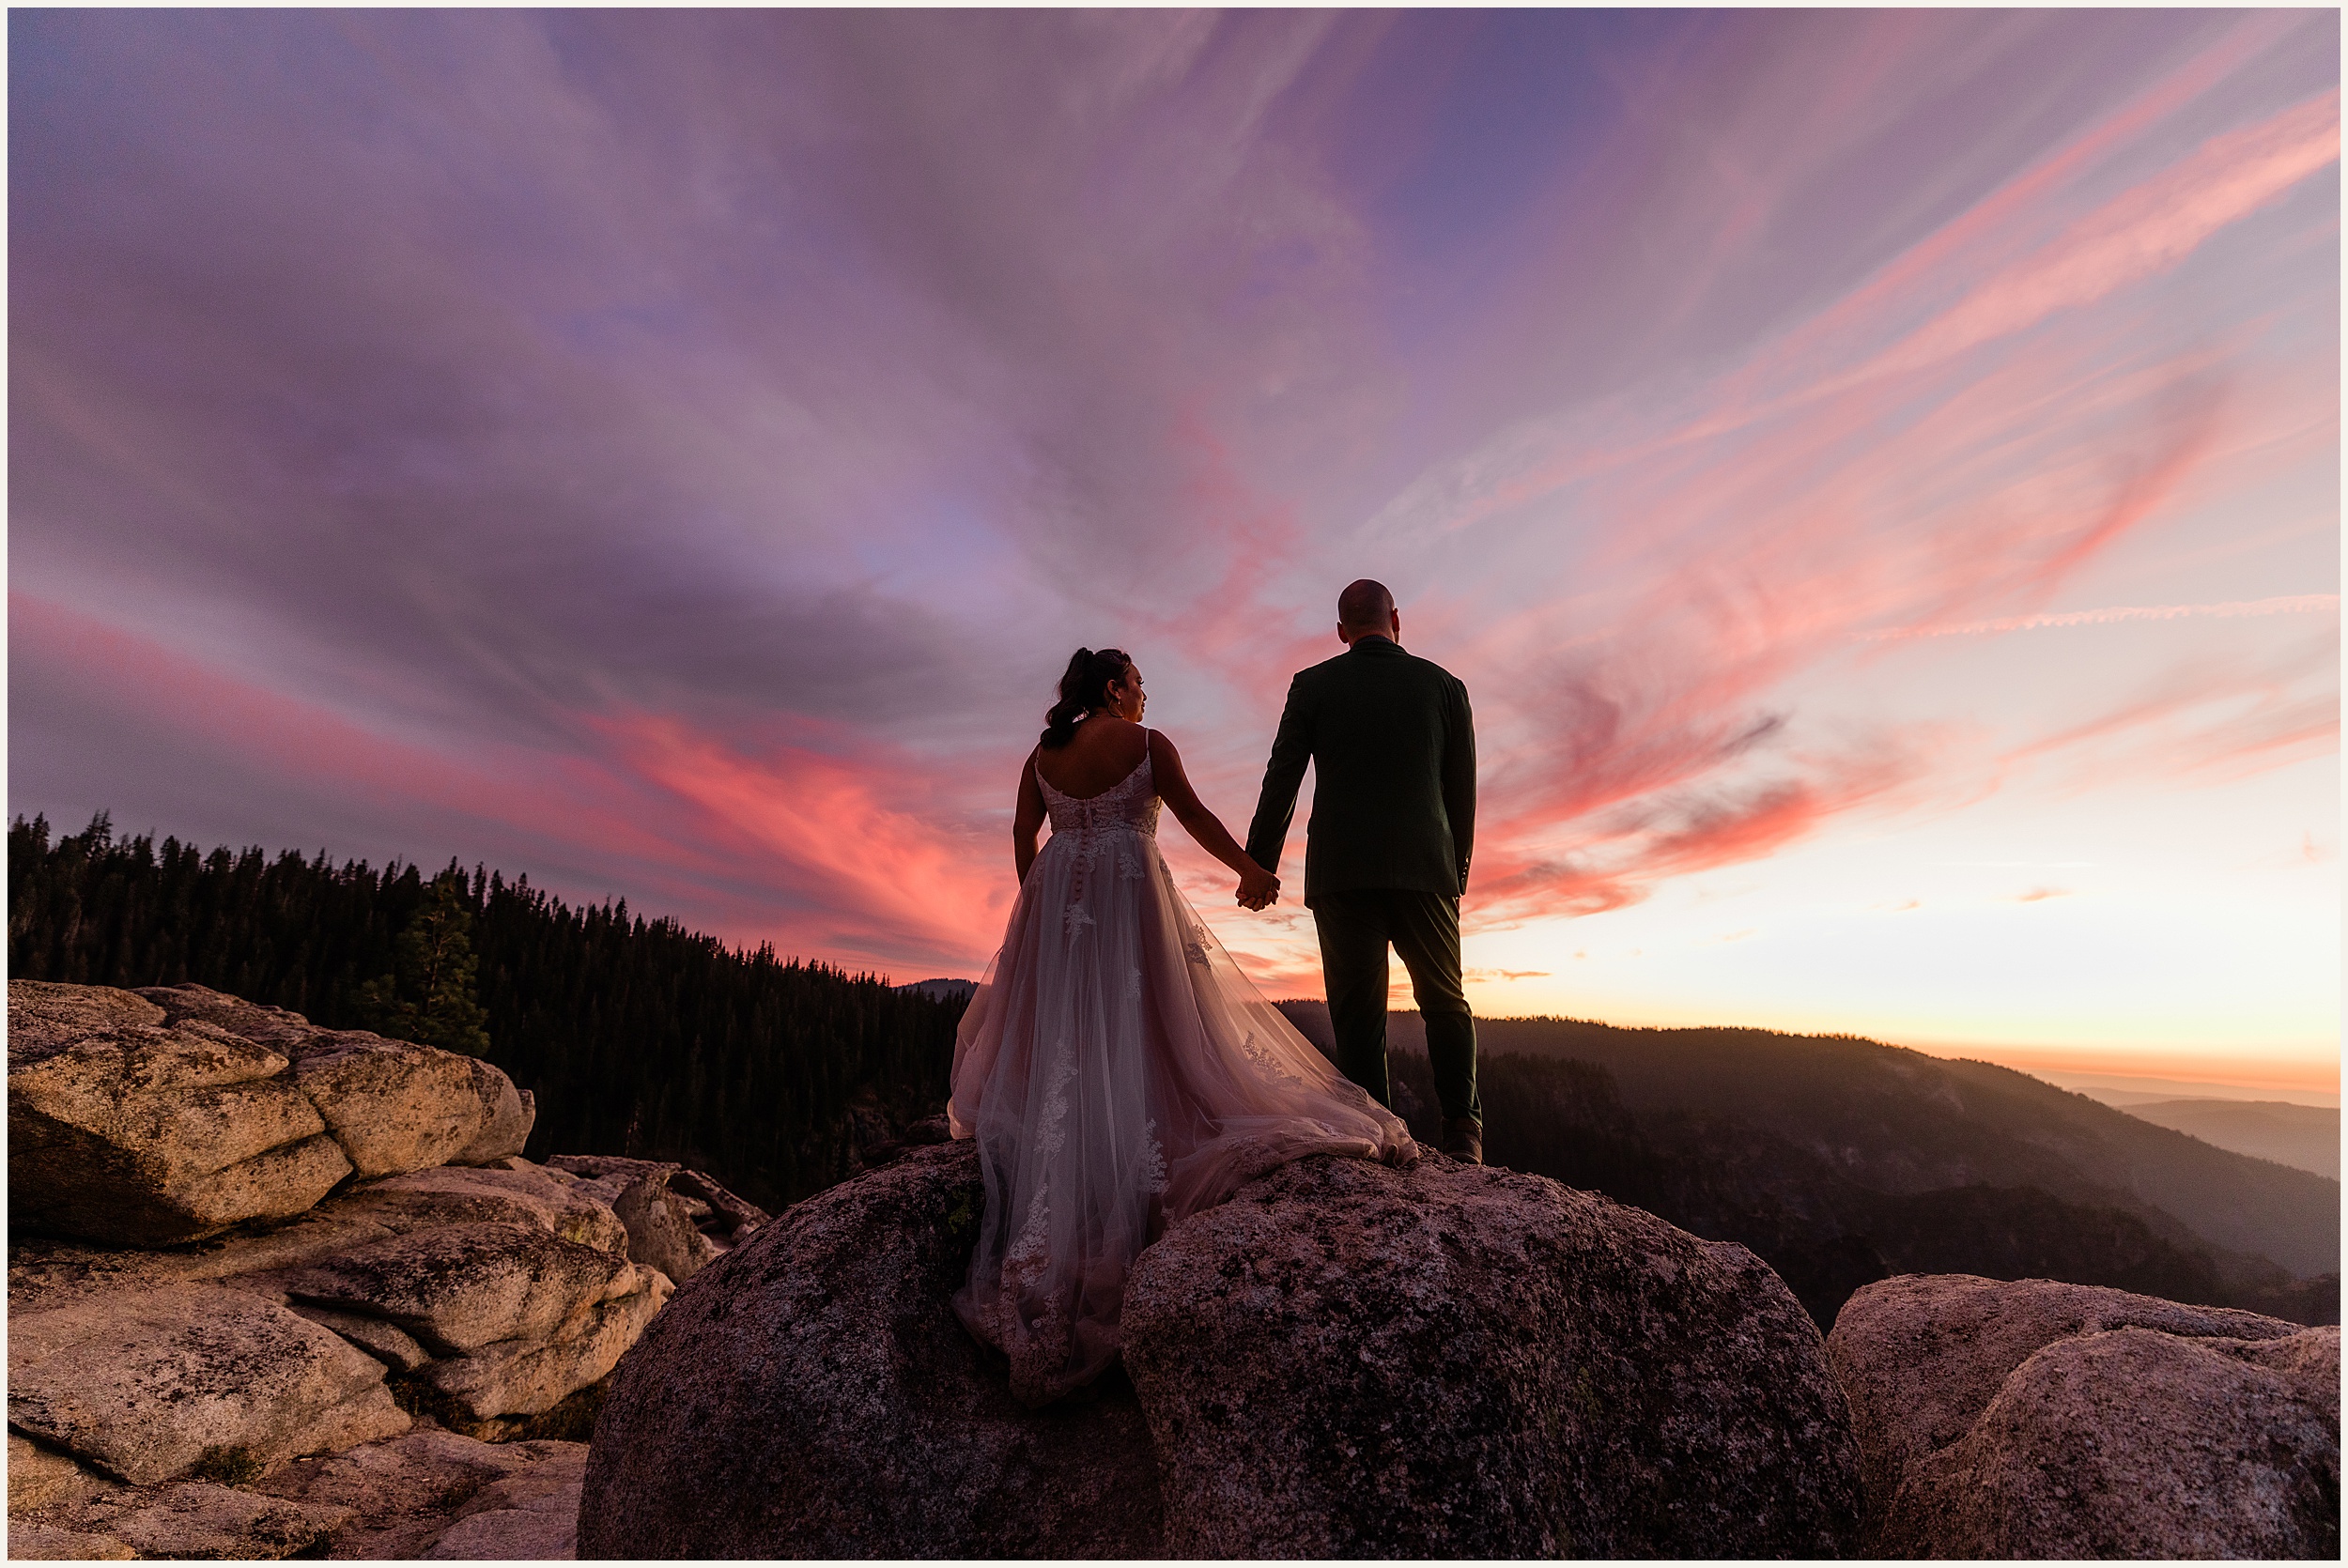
(2196, 722)
(2285, 604)
(1870, 465)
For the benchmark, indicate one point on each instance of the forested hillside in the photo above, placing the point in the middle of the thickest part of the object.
(637, 1037)
(1843, 1160)
(1899, 1121)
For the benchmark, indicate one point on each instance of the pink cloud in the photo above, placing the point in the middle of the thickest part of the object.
(1873, 332)
(798, 846)
(847, 833)
(2146, 230)
(1744, 539)
(2287, 604)
(214, 711)
(1618, 858)
(2201, 723)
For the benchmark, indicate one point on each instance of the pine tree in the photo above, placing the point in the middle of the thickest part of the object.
(430, 996)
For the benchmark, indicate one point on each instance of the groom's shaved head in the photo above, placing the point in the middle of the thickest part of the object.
(1366, 607)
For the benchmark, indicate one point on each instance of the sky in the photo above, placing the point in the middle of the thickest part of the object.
(1876, 473)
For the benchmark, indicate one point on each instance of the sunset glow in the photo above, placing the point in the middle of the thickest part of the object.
(1876, 472)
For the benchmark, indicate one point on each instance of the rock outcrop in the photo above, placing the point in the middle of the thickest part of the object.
(457, 1288)
(144, 1134)
(149, 1385)
(430, 1494)
(1342, 1360)
(276, 1290)
(239, 1245)
(2035, 1418)
(1346, 1360)
(189, 1519)
(391, 1105)
(812, 1394)
(665, 1227)
(435, 1494)
(164, 1116)
(512, 1192)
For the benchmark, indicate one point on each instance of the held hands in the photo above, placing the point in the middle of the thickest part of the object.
(1258, 888)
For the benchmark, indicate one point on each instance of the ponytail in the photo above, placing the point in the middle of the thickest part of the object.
(1085, 686)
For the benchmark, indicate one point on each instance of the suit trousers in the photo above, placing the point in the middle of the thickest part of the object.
(1355, 926)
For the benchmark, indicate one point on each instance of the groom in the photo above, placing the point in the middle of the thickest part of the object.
(1387, 850)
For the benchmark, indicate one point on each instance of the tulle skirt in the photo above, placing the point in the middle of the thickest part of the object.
(1120, 1073)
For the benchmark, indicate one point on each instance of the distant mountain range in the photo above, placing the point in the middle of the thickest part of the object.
(2306, 1137)
(1841, 1161)
(943, 991)
(2126, 1089)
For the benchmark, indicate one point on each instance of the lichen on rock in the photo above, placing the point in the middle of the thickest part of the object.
(144, 1384)
(147, 1135)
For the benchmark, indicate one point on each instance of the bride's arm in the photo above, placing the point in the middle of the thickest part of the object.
(1027, 819)
(1257, 886)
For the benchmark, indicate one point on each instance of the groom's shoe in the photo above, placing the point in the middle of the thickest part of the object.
(1464, 1140)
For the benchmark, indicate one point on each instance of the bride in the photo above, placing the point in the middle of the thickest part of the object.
(1116, 1067)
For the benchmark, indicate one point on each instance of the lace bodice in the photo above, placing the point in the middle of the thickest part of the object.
(1131, 805)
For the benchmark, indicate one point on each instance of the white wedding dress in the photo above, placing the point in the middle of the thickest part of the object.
(1120, 1073)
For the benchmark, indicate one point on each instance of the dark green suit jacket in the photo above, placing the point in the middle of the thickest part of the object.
(1393, 749)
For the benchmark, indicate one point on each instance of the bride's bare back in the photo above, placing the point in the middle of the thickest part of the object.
(1105, 749)
(1108, 745)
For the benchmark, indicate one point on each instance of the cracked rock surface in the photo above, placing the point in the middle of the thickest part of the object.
(146, 1385)
(164, 1116)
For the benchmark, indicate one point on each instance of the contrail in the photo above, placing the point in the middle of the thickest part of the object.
(2293, 604)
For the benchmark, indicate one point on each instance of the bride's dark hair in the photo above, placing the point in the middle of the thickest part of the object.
(1091, 673)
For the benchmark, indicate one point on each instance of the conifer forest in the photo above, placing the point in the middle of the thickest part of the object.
(637, 1037)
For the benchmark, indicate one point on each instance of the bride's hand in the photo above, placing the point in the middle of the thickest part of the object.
(1258, 888)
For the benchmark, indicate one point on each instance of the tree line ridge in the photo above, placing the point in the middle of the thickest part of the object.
(639, 1036)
